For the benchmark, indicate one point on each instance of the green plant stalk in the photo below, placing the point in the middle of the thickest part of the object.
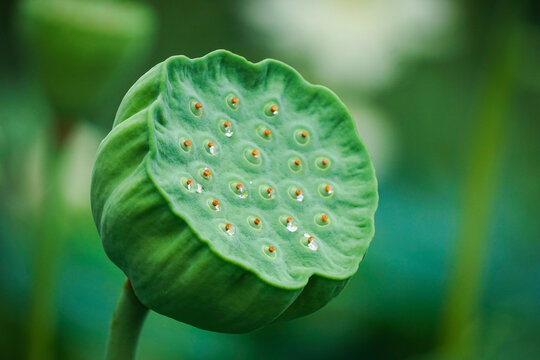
(127, 321)
(464, 290)
(48, 248)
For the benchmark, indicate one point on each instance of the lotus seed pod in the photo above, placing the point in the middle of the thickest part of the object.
(81, 49)
(236, 238)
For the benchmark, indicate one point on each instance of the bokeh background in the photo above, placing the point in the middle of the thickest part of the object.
(445, 93)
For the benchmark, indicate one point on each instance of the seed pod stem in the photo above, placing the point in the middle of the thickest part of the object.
(127, 321)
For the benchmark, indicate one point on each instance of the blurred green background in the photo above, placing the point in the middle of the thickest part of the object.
(445, 93)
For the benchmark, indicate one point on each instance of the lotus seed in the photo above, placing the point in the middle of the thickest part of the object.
(324, 218)
(270, 192)
(328, 189)
(228, 128)
(271, 248)
(198, 106)
(207, 172)
(310, 242)
(299, 195)
(234, 101)
(240, 190)
(267, 132)
(304, 134)
(255, 152)
(324, 162)
(297, 162)
(257, 221)
(291, 227)
(212, 148)
(229, 229)
(215, 204)
(187, 143)
(274, 109)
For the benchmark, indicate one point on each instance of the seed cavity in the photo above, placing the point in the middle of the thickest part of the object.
(188, 183)
(301, 136)
(289, 223)
(264, 132)
(226, 128)
(322, 219)
(233, 101)
(310, 242)
(239, 189)
(185, 144)
(229, 229)
(326, 190)
(255, 222)
(323, 163)
(211, 146)
(269, 250)
(214, 205)
(196, 108)
(296, 193)
(206, 174)
(253, 156)
(295, 164)
(271, 110)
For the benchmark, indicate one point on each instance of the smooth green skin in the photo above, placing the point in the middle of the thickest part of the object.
(127, 321)
(80, 49)
(170, 241)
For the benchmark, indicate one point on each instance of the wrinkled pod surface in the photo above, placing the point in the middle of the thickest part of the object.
(233, 194)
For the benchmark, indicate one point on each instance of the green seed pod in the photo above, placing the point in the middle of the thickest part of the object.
(81, 49)
(233, 194)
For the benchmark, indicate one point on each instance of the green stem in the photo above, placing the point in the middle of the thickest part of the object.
(126, 324)
(48, 234)
(459, 324)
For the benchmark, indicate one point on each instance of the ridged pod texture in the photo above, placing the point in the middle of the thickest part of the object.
(233, 194)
